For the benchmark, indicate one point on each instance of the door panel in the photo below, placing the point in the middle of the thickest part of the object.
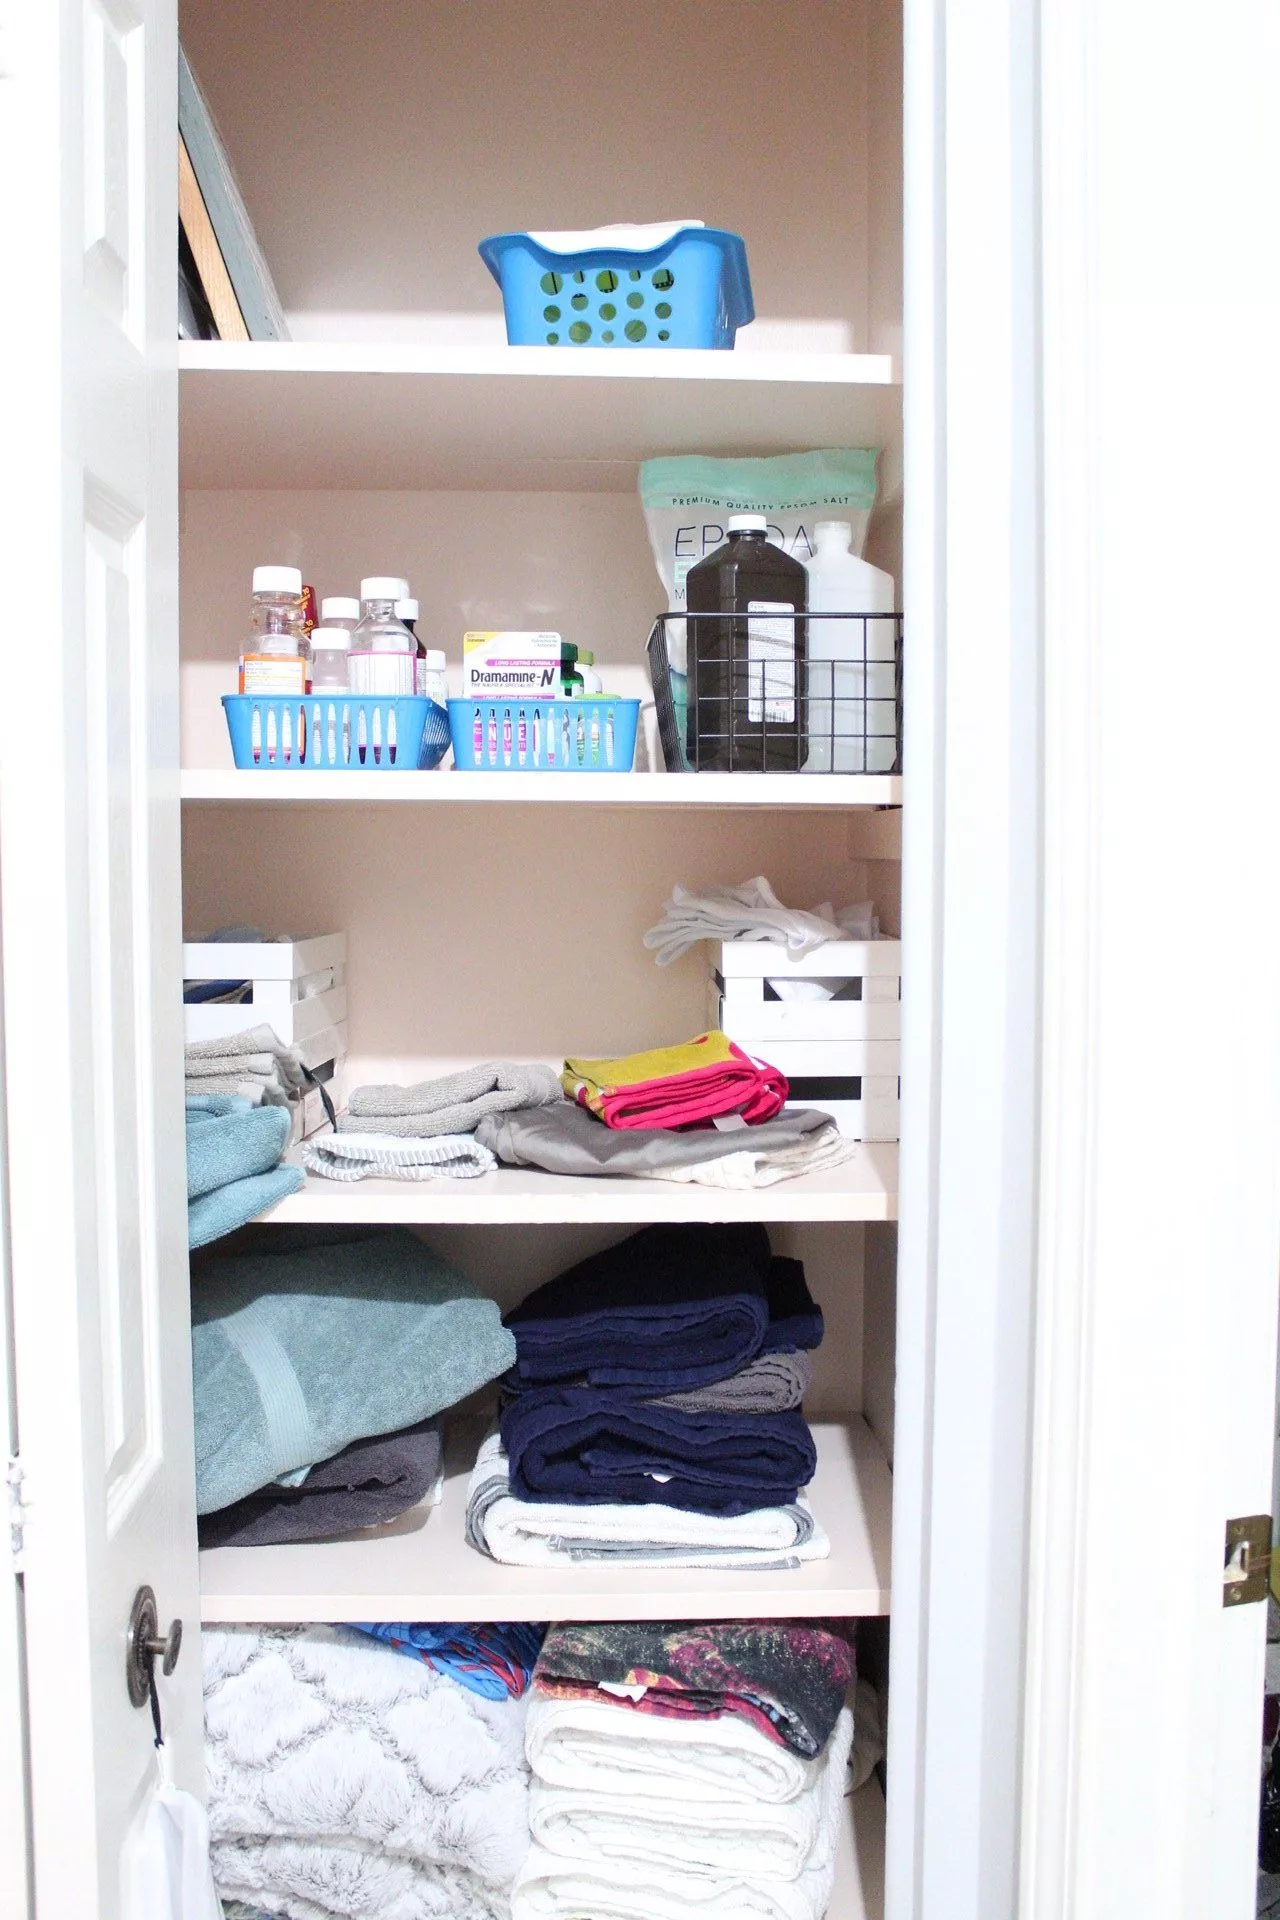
(89, 882)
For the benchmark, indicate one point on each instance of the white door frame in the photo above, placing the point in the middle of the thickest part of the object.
(15, 1810)
(1160, 1186)
(971, 885)
(1091, 1122)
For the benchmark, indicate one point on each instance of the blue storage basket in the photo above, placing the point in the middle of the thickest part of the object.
(693, 291)
(335, 732)
(544, 736)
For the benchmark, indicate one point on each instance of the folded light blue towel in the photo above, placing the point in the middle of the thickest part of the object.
(233, 1175)
(229, 1138)
(297, 1354)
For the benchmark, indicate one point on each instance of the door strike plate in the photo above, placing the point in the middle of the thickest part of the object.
(1246, 1569)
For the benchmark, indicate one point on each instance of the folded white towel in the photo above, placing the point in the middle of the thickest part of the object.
(527, 1533)
(577, 1744)
(362, 1156)
(661, 1884)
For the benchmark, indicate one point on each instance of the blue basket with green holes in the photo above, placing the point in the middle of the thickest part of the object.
(692, 290)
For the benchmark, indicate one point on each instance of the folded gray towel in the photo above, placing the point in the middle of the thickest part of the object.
(565, 1138)
(254, 1058)
(772, 1383)
(368, 1483)
(455, 1103)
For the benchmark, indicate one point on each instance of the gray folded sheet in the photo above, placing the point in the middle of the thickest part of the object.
(369, 1482)
(455, 1103)
(772, 1383)
(567, 1139)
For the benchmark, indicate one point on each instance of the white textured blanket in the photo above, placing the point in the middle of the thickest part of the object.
(541, 1533)
(578, 1744)
(662, 1885)
(346, 1780)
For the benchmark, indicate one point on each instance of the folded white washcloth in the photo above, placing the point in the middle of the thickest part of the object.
(361, 1156)
(541, 1533)
(751, 911)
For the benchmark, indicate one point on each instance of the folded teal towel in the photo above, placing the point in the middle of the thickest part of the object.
(228, 1138)
(219, 1213)
(233, 1175)
(297, 1354)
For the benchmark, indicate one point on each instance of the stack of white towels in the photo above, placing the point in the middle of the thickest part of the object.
(642, 1815)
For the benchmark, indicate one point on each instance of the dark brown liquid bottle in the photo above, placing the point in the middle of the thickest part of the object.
(747, 667)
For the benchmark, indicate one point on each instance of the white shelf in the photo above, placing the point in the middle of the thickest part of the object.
(421, 1568)
(371, 415)
(859, 1890)
(720, 790)
(862, 1188)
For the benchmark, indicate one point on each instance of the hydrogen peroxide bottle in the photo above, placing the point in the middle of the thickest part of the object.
(747, 687)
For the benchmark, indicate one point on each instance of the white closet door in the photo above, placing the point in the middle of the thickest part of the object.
(1160, 1133)
(89, 890)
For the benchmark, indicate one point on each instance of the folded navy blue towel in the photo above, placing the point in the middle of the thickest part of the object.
(672, 1307)
(795, 1318)
(577, 1444)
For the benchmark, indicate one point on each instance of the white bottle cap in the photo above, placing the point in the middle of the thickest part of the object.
(330, 638)
(748, 523)
(277, 580)
(435, 661)
(383, 586)
(836, 533)
(406, 609)
(340, 607)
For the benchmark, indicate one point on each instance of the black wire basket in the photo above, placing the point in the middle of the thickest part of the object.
(754, 701)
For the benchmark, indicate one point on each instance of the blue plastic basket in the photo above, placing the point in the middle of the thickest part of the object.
(694, 291)
(544, 736)
(336, 732)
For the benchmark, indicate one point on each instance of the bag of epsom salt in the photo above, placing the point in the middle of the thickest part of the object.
(687, 500)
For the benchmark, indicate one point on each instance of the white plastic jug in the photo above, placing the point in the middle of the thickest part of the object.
(852, 713)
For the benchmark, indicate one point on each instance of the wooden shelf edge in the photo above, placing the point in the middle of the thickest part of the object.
(291, 787)
(421, 1568)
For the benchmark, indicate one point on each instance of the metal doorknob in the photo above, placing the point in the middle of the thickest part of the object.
(144, 1646)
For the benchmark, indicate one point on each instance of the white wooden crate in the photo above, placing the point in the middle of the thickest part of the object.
(282, 975)
(842, 1056)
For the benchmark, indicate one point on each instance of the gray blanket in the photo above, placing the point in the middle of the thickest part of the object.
(567, 1139)
(455, 1103)
(369, 1482)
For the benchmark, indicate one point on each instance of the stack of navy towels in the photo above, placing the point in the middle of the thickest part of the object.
(654, 1409)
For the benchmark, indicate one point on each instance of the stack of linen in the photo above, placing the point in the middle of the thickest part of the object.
(234, 1171)
(683, 1770)
(653, 1413)
(427, 1131)
(319, 1370)
(347, 1781)
(253, 1064)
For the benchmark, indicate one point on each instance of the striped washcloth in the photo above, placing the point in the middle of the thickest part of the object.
(359, 1156)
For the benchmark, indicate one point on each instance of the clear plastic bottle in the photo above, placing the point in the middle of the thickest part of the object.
(383, 655)
(747, 669)
(433, 678)
(274, 658)
(852, 705)
(329, 659)
(340, 610)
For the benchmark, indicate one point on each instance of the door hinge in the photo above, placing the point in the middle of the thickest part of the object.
(19, 1508)
(1246, 1572)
